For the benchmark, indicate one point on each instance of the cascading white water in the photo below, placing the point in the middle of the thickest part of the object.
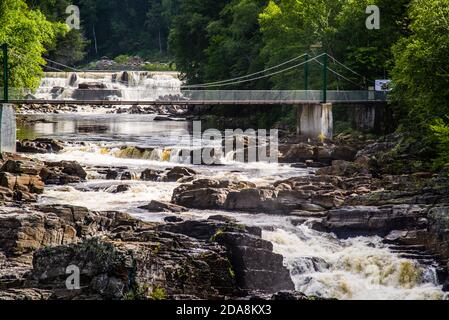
(127, 85)
(319, 263)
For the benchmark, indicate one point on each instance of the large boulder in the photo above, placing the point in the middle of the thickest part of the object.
(151, 175)
(22, 233)
(91, 86)
(147, 265)
(342, 168)
(255, 265)
(41, 145)
(363, 220)
(62, 172)
(178, 173)
(283, 197)
(160, 206)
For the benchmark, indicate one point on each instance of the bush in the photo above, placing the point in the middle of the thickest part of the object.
(440, 131)
(160, 67)
(121, 59)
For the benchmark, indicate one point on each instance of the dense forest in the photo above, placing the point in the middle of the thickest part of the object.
(212, 40)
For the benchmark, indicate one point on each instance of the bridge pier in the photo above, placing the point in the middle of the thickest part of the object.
(315, 120)
(7, 128)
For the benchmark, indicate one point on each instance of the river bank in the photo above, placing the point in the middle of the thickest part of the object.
(346, 231)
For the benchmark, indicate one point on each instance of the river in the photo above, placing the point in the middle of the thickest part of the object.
(320, 264)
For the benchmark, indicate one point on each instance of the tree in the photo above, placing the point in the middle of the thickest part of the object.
(28, 33)
(421, 74)
(69, 48)
(189, 38)
(292, 27)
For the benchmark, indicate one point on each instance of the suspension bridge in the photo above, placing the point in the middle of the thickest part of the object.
(214, 93)
(314, 118)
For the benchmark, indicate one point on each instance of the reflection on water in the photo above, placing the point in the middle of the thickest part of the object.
(139, 130)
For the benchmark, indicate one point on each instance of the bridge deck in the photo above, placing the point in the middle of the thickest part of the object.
(189, 102)
(199, 97)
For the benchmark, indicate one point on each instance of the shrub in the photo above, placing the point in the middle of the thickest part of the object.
(440, 131)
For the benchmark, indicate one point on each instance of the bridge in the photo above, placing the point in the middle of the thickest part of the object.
(219, 97)
(314, 119)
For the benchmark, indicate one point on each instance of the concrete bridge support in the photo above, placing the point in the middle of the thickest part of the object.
(7, 128)
(367, 118)
(315, 120)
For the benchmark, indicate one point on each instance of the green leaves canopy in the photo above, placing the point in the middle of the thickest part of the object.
(27, 32)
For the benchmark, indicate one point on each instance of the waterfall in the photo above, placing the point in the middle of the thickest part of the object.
(126, 85)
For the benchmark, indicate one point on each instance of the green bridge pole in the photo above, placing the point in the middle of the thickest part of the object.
(5, 73)
(306, 73)
(325, 78)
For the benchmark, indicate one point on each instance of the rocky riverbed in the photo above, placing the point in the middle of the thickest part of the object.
(329, 221)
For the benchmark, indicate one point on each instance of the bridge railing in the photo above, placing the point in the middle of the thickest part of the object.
(194, 96)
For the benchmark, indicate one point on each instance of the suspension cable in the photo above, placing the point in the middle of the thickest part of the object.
(257, 78)
(248, 75)
(23, 57)
(349, 69)
(341, 76)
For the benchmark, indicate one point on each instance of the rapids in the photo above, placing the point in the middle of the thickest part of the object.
(319, 263)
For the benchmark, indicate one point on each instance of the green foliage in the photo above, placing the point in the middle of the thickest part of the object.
(343, 127)
(158, 293)
(421, 76)
(69, 48)
(134, 27)
(160, 67)
(28, 33)
(440, 130)
(292, 27)
(123, 58)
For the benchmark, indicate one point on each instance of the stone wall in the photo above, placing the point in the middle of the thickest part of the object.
(7, 128)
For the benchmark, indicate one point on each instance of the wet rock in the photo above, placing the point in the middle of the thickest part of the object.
(122, 188)
(40, 145)
(304, 265)
(112, 174)
(173, 219)
(27, 294)
(21, 232)
(63, 172)
(283, 197)
(446, 285)
(151, 175)
(135, 109)
(202, 198)
(160, 206)
(289, 296)
(254, 264)
(222, 218)
(178, 173)
(353, 221)
(6, 194)
(296, 152)
(91, 86)
(342, 168)
(23, 182)
(14, 270)
(149, 265)
(318, 153)
(22, 167)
